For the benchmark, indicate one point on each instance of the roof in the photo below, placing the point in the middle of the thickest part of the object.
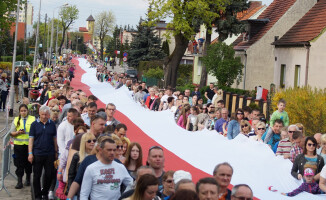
(273, 12)
(83, 29)
(90, 18)
(309, 27)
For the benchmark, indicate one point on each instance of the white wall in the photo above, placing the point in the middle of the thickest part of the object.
(290, 57)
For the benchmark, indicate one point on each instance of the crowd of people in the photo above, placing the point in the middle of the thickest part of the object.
(87, 151)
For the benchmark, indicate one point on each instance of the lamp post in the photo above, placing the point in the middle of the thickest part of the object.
(12, 89)
(66, 4)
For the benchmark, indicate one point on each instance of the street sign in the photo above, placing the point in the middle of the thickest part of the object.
(125, 59)
(125, 54)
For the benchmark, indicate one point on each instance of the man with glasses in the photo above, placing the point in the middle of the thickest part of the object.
(91, 111)
(285, 145)
(156, 160)
(110, 110)
(242, 192)
(223, 174)
(224, 119)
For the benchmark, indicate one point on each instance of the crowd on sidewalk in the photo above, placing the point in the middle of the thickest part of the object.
(94, 158)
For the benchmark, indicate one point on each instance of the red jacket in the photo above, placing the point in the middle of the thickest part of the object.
(148, 100)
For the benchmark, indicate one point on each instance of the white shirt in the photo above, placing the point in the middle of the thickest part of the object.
(103, 181)
(323, 172)
(165, 98)
(65, 133)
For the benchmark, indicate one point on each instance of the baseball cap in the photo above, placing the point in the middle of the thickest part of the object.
(309, 172)
(180, 175)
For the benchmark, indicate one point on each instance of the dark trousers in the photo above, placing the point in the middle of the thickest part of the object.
(21, 160)
(40, 163)
(3, 99)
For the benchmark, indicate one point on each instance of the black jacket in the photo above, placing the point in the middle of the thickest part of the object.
(300, 161)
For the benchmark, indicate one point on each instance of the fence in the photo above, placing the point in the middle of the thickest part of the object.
(6, 161)
(234, 101)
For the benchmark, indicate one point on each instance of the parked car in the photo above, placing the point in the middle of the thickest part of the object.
(131, 73)
(22, 64)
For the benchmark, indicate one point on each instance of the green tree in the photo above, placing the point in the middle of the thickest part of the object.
(187, 16)
(154, 73)
(226, 25)
(114, 42)
(222, 64)
(68, 15)
(145, 46)
(165, 47)
(73, 37)
(104, 24)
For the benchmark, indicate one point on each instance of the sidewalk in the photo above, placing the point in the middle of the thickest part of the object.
(10, 182)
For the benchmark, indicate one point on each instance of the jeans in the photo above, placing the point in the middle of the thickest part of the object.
(3, 99)
(40, 163)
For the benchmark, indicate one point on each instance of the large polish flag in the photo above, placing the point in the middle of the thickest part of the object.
(197, 152)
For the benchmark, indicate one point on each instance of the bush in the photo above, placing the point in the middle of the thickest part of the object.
(18, 58)
(182, 88)
(304, 105)
(184, 75)
(6, 65)
(154, 73)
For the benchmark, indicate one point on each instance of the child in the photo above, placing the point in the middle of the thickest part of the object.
(308, 186)
(280, 114)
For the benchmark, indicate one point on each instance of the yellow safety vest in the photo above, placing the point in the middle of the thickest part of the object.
(22, 139)
(35, 80)
(50, 94)
(48, 69)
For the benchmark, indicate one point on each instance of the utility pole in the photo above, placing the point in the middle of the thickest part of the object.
(43, 46)
(47, 44)
(37, 36)
(25, 37)
(50, 56)
(12, 89)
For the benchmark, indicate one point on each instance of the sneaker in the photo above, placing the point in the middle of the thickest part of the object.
(50, 195)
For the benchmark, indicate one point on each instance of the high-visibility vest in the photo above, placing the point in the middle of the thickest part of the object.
(35, 80)
(49, 94)
(48, 69)
(22, 139)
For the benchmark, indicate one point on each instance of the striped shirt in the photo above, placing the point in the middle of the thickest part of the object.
(284, 147)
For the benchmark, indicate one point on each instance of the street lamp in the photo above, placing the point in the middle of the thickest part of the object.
(64, 5)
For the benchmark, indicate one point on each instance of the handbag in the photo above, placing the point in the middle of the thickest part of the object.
(25, 84)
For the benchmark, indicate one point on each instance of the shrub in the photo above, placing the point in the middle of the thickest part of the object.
(154, 73)
(304, 105)
(6, 65)
(184, 75)
(182, 88)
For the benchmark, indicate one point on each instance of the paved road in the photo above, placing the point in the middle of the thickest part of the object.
(10, 182)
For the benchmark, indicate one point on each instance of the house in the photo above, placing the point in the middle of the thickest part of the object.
(255, 9)
(254, 47)
(300, 52)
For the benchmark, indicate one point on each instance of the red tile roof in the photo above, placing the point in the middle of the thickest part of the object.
(310, 26)
(83, 29)
(273, 12)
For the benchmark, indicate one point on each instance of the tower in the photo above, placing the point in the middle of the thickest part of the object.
(90, 25)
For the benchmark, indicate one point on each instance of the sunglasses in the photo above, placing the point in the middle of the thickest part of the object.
(89, 141)
(246, 125)
(261, 129)
(313, 145)
(119, 146)
(291, 131)
(155, 147)
(169, 181)
(55, 110)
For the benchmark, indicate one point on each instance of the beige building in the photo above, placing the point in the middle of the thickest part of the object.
(22, 18)
(300, 53)
(254, 47)
(256, 8)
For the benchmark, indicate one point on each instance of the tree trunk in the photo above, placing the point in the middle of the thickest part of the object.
(203, 77)
(62, 41)
(172, 62)
(101, 48)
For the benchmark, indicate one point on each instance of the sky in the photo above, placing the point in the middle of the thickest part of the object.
(126, 11)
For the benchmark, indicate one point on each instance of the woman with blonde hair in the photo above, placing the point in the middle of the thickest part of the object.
(134, 158)
(87, 144)
(119, 151)
(245, 128)
(322, 150)
(259, 130)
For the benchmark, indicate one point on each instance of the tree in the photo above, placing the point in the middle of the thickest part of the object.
(114, 42)
(222, 64)
(73, 37)
(6, 21)
(165, 47)
(226, 24)
(104, 24)
(145, 46)
(68, 15)
(187, 16)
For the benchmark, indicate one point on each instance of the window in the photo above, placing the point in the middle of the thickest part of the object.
(297, 76)
(282, 78)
